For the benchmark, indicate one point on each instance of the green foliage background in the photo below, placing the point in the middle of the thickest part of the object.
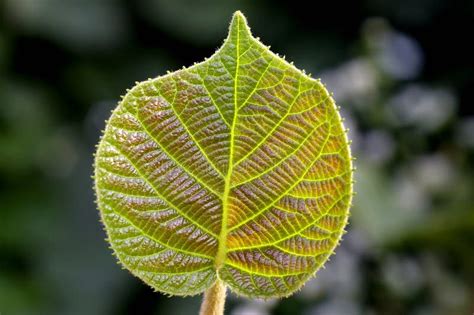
(401, 70)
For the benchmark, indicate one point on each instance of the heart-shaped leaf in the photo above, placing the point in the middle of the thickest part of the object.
(237, 167)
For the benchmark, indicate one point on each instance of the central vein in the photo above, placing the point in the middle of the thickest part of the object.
(222, 249)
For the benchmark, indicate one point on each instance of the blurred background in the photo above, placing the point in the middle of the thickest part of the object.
(402, 72)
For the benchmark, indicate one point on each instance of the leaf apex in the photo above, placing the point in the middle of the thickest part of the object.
(239, 25)
(238, 14)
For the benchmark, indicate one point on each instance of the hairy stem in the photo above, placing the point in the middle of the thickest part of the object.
(214, 299)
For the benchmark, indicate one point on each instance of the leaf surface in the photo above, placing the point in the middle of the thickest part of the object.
(237, 167)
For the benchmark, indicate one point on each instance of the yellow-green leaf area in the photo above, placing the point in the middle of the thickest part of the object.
(236, 168)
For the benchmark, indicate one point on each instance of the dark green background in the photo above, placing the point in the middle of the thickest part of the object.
(402, 72)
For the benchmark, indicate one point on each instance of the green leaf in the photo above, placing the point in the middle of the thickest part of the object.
(237, 167)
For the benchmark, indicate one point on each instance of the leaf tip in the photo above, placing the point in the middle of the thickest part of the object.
(238, 25)
(238, 15)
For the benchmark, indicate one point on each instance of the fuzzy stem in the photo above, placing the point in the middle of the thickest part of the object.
(214, 299)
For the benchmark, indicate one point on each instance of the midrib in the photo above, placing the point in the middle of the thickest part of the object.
(222, 249)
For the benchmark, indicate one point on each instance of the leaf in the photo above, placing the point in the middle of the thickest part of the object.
(237, 167)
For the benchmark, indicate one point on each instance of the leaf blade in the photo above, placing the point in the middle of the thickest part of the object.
(248, 168)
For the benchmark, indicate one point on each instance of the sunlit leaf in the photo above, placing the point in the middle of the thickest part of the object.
(237, 167)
